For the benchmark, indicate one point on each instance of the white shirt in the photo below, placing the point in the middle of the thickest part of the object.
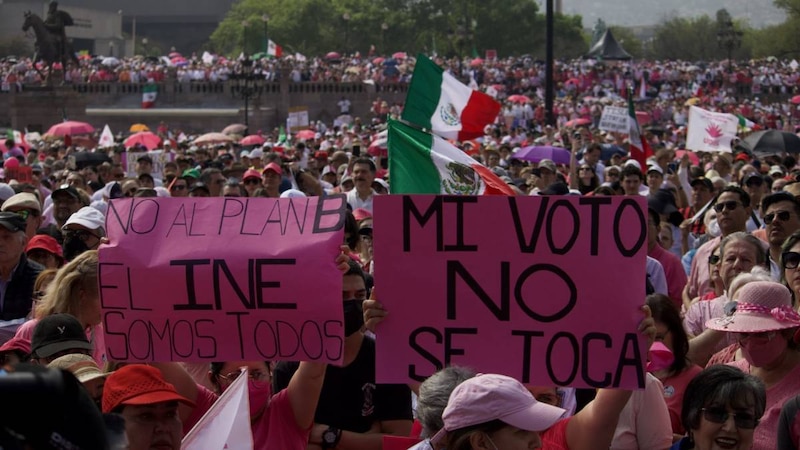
(355, 201)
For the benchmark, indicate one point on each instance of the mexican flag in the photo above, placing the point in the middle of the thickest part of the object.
(422, 163)
(640, 149)
(745, 123)
(149, 94)
(274, 49)
(437, 101)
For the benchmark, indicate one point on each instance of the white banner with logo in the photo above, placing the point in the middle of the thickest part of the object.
(709, 131)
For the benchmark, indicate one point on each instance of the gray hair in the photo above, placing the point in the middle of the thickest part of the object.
(434, 394)
(758, 273)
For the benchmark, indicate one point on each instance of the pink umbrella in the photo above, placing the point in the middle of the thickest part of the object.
(333, 55)
(70, 128)
(306, 134)
(796, 100)
(399, 55)
(643, 117)
(578, 122)
(253, 139)
(175, 55)
(519, 99)
(378, 60)
(146, 139)
(476, 62)
(178, 59)
(692, 156)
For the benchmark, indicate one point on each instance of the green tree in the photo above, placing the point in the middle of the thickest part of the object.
(689, 39)
(16, 46)
(315, 27)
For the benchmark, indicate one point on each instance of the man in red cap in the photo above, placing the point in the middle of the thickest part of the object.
(149, 405)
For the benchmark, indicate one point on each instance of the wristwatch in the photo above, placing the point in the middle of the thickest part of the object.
(331, 437)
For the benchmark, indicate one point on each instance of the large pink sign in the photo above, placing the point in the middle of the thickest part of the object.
(201, 279)
(544, 289)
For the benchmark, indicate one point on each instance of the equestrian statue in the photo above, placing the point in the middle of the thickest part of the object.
(51, 39)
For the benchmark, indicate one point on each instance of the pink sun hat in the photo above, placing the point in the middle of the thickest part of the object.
(761, 306)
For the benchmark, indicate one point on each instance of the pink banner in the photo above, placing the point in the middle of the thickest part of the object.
(201, 279)
(543, 289)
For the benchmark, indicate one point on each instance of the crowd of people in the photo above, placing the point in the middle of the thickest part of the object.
(723, 246)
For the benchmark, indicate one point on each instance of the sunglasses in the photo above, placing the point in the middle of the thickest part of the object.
(24, 213)
(83, 235)
(729, 205)
(782, 215)
(178, 187)
(713, 260)
(252, 181)
(790, 260)
(719, 415)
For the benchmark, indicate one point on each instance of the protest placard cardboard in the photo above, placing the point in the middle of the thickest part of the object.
(547, 290)
(159, 157)
(219, 279)
(615, 119)
(227, 424)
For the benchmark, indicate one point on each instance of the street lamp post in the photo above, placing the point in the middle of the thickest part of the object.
(110, 48)
(244, 37)
(144, 46)
(244, 86)
(384, 27)
(265, 19)
(729, 39)
(346, 18)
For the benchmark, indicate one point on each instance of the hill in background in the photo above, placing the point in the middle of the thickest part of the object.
(628, 13)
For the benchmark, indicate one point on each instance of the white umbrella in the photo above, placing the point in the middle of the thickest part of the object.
(109, 61)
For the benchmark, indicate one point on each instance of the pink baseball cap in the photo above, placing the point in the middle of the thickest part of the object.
(489, 397)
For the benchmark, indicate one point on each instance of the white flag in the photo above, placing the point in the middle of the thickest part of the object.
(106, 138)
(227, 424)
(709, 131)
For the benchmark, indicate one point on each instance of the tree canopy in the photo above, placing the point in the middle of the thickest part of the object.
(447, 27)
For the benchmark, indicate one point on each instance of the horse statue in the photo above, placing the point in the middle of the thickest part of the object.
(50, 47)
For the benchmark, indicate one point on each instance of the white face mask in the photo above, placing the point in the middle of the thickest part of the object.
(713, 228)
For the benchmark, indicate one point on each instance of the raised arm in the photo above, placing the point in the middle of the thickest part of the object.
(304, 390)
(593, 427)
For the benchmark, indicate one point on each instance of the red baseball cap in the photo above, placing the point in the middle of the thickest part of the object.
(273, 167)
(46, 243)
(138, 384)
(251, 173)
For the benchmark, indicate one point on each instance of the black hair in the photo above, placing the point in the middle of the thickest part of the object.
(721, 384)
(351, 231)
(366, 161)
(744, 197)
(665, 311)
(629, 170)
(778, 197)
(654, 216)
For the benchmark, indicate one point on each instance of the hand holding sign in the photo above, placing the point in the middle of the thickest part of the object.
(374, 312)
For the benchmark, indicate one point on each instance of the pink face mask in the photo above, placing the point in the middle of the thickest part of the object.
(259, 394)
(760, 352)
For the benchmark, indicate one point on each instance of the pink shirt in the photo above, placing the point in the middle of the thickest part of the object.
(699, 278)
(766, 434)
(673, 270)
(95, 335)
(644, 422)
(275, 430)
(674, 387)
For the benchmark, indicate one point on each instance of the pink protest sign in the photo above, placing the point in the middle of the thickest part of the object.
(220, 279)
(544, 289)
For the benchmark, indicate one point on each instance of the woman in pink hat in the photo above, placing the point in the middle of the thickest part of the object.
(764, 323)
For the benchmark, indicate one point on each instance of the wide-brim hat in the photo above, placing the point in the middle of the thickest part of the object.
(761, 306)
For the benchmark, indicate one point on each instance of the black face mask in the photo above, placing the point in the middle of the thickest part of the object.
(74, 247)
(353, 317)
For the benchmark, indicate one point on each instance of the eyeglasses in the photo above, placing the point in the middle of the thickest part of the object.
(720, 415)
(729, 205)
(760, 338)
(790, 260)
(713, 259)
(782, 215)
(585, 168)
(255, 375)
(83, 235)
(178, 187)
(252, 181)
